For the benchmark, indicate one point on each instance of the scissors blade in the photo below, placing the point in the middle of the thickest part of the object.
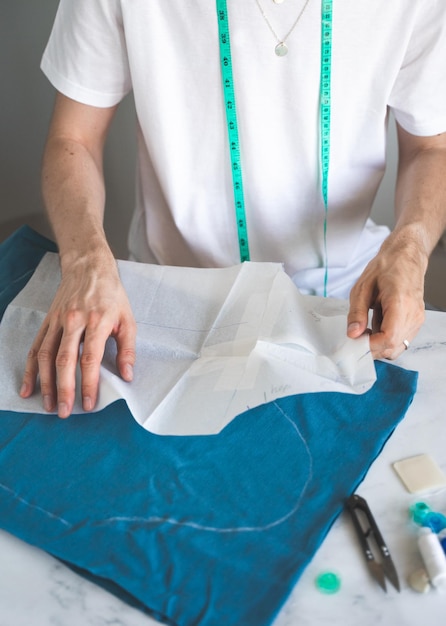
(378, 573)
(391, 573)
(388, 566)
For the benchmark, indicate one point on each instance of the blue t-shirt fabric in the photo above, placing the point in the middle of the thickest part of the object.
(19, 256)
(193, 530)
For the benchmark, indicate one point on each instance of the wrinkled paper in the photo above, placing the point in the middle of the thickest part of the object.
(211, 343)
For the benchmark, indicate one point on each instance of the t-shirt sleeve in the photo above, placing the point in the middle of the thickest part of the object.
(86, 55)
(419, 94)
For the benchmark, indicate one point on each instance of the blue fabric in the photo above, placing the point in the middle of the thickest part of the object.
(19, 257)
(197, 530)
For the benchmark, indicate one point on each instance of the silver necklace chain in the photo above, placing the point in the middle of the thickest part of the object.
(281, 49)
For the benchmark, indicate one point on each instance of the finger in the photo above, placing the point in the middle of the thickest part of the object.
(399, 321)
(32, 366)
(46, 357)
(66, 361)
(96, 335)
(382, 346)
(361, 299)
(125, 337)
(388, 324)
(377, 318)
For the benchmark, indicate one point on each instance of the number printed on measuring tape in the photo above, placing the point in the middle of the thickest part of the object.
(231, 118)
(325, 95)
(325, 114)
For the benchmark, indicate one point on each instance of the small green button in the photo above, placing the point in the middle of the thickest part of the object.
(328, 582)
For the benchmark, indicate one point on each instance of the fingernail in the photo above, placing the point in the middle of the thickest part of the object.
(353, 326)
(87, 404)
(48, 403)
(62, 410)
(128, 371)
(24, 390)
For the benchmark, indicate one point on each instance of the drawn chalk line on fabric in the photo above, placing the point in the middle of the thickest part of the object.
(35, 506)
(235, 529)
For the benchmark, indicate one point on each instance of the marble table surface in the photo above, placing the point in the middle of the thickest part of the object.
(36, 590)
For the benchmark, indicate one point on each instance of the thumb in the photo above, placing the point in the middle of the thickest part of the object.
(125, 341)
(358, 316)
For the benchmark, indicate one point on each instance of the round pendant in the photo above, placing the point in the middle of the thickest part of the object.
(281, 49)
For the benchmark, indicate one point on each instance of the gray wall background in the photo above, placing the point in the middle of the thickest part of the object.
(25, 107)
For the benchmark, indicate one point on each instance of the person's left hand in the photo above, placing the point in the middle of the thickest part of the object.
(392, 286)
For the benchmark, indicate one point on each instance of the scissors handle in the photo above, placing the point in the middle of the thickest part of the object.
(357, 502)
(353, 503)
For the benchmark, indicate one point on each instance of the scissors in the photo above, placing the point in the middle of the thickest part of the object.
(385, 568)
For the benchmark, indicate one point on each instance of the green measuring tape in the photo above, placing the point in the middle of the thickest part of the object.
(325, 113)
(231, 118)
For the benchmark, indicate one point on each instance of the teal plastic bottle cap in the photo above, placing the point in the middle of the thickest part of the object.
(418, 511)
(328, 582)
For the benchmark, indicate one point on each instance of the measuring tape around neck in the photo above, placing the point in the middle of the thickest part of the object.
(231, 118)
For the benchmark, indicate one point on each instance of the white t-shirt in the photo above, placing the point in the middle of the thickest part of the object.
(387, 54)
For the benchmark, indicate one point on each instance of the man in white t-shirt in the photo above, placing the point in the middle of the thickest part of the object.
(385, 56)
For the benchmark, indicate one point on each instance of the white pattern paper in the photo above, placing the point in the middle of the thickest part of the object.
(211, 343)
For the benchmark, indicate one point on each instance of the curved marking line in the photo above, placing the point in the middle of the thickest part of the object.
(175, 522)
(34, 506)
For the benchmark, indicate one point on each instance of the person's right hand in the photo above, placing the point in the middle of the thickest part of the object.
(89, 307)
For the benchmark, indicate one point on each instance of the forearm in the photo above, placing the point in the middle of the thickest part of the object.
(90, 304)
(392, 284)
(74, 196)
(420, 198)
